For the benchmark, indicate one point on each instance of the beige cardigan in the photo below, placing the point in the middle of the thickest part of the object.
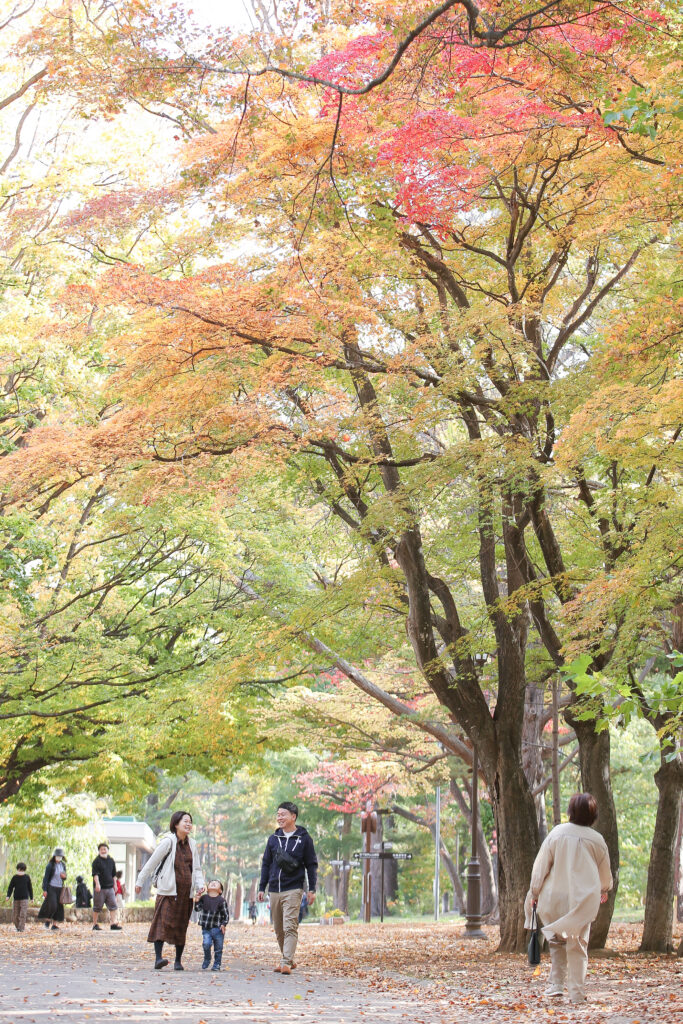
(570, 871)
(165, 855)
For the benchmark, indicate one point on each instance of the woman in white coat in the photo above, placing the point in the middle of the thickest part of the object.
(570, 879)
(178, 876)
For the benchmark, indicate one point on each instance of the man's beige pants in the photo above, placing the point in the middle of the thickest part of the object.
(284, 909)
(569, 962)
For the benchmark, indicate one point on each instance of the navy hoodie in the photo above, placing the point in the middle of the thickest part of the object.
(300, 847)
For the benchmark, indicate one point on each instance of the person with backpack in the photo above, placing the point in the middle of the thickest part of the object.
(289, 860)
(175, 870)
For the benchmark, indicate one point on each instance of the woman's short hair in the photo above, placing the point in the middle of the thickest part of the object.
(176, 818)
(583, 809)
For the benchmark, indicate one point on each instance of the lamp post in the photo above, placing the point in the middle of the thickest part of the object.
(473, 929)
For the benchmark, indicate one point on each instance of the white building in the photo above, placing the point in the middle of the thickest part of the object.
(131, 843)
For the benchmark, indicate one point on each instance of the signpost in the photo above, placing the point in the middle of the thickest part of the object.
(381, 855)
(385, 855)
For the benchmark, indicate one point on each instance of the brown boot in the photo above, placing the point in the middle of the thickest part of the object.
(285, 969)
(277, 969)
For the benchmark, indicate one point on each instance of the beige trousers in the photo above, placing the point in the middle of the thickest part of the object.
(569, 963)
(284, 908)
(19, 914)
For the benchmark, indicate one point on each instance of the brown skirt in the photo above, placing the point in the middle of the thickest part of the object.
(171, 918)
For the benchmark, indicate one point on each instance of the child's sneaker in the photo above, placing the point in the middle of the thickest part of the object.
(215, 967)
(207, 963)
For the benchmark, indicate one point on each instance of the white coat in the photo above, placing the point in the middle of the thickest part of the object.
(570, 871)
(166, 880)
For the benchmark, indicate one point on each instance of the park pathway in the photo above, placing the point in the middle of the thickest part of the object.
(417, 974)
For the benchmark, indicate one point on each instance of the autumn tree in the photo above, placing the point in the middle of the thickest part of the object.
(434, 236)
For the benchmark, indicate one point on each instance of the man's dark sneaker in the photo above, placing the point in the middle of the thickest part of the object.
(96, 928)
(163, 962)
(177, 966)
(115, 927)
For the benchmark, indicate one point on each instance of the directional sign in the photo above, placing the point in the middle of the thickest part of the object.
(384, 856)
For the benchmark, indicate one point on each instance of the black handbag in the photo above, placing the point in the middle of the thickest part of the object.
(534, 950)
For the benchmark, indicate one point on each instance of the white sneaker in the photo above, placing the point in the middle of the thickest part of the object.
(554, 991)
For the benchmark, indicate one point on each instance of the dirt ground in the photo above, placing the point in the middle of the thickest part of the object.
(384, 974)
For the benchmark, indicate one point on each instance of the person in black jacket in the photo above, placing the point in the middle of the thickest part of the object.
(288, 860)
(83, 894)
(52, 909)
(103, 877)
(20, 886)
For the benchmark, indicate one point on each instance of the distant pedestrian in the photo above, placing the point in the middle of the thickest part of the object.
(175, 870)
(252, 912)
(120, 889)
(213, 918)
(103, 878)
(83, 894)
(21, 888)
(570, 879)
(288, 859)
(52, 909)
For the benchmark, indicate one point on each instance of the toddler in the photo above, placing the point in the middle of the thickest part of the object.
(213, 917)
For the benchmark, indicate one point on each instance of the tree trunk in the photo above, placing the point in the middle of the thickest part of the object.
(532, 752)
(659, 901)
(678, 868)
(452, 869)
(517, 828)
(594, 761)
(345, 878)
(377, 895)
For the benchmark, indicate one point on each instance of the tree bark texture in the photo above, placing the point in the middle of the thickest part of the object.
(517, 828)
(532, 752)
(678, 868)
(594, 761)
(659, 901)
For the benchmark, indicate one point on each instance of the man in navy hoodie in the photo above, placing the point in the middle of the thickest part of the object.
(288, 859)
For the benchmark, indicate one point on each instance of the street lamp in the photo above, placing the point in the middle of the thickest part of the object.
(473, 929)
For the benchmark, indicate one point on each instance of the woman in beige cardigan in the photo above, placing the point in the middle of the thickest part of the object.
(570, 879)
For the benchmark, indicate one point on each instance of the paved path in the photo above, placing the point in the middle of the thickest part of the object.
(79, 977)
(417, 974)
